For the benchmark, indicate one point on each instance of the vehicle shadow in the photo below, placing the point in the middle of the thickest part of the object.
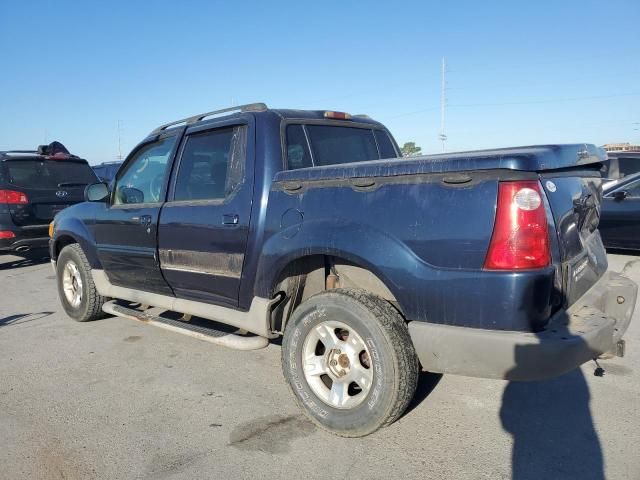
(37, 257)
(20, 318)
(551, 424)
(427, 382)
(621, 251)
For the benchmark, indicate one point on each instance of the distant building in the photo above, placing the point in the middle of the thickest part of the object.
(621, 147)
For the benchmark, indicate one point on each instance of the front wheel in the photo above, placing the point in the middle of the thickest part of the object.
(349, 361)
(77, 292)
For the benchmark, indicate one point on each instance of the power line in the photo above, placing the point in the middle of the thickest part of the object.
(553, 100)
(514, 66)
(519, 65)
(415, 112)
(548, 80)
(581, 124)
(527, 102)
(400, 82)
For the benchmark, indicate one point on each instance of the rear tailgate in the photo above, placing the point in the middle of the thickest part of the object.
(50, 186)
(574, 198)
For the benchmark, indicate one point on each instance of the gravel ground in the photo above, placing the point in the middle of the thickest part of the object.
(118, 399)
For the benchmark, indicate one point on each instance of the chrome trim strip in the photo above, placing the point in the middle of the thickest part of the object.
(219, 264)
(256, 320)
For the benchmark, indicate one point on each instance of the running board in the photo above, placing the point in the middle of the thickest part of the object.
(208, 334)
(256, 320)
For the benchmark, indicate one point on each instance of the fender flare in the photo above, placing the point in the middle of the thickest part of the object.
(73, 228)
(384, 256)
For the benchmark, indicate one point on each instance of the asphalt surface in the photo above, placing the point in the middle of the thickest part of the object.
(119, 399)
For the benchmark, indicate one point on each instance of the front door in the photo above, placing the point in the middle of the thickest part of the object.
(620, 218)
(126, 231)
(204, 225)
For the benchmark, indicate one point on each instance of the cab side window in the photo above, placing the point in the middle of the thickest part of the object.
(298, 155)
(145, 174)
(212, 164)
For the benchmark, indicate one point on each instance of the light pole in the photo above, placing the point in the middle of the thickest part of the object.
(443, 100)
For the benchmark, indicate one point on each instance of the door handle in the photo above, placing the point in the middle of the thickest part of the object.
(144, 220)
(230, 219)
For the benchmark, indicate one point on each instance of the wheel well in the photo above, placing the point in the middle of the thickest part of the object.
(307, 276)
(62, 242)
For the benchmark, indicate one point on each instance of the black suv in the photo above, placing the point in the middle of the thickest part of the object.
(34, 186)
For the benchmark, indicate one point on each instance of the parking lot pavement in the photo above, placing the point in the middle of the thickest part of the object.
(119, 399)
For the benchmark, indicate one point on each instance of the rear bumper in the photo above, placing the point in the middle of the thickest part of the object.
(590, 327)
(26, 238)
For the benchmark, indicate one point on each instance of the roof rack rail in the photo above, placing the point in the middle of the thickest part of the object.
(249, 107)
(19, 151)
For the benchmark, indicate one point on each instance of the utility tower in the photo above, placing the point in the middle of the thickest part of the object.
(443, 101)
(119, 142)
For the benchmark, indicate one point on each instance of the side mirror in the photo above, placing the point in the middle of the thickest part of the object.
(131, 195)
(620, 195)
(96, 192)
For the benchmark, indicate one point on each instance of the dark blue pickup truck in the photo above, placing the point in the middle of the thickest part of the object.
(306, 224)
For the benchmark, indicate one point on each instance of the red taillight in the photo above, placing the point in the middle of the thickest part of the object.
(520, 237)
(6, 234)
(13, 197)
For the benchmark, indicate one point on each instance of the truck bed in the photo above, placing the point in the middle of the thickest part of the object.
(425, 223)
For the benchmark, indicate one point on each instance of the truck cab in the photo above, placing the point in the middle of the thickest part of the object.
(178, 218)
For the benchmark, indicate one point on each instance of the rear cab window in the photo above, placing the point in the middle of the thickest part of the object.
(309, 145)
(47, 174)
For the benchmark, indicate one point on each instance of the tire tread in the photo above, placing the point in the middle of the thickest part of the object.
(95, 301)
(395, 326)
(406, 374)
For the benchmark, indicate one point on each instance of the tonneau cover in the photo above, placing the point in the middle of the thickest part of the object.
(533, 158)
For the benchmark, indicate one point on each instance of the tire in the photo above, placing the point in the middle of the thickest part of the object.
(333, 391)
(72, 265)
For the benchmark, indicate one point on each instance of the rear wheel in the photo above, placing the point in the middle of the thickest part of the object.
(76, 289)
(349, 361)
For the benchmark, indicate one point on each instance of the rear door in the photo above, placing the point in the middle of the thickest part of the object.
(204, 226)
(126, 231)
(50, 185)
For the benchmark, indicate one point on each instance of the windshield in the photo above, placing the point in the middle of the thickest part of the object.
(48, 173)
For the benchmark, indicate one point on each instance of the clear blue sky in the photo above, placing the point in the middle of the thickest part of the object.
(518, 72)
